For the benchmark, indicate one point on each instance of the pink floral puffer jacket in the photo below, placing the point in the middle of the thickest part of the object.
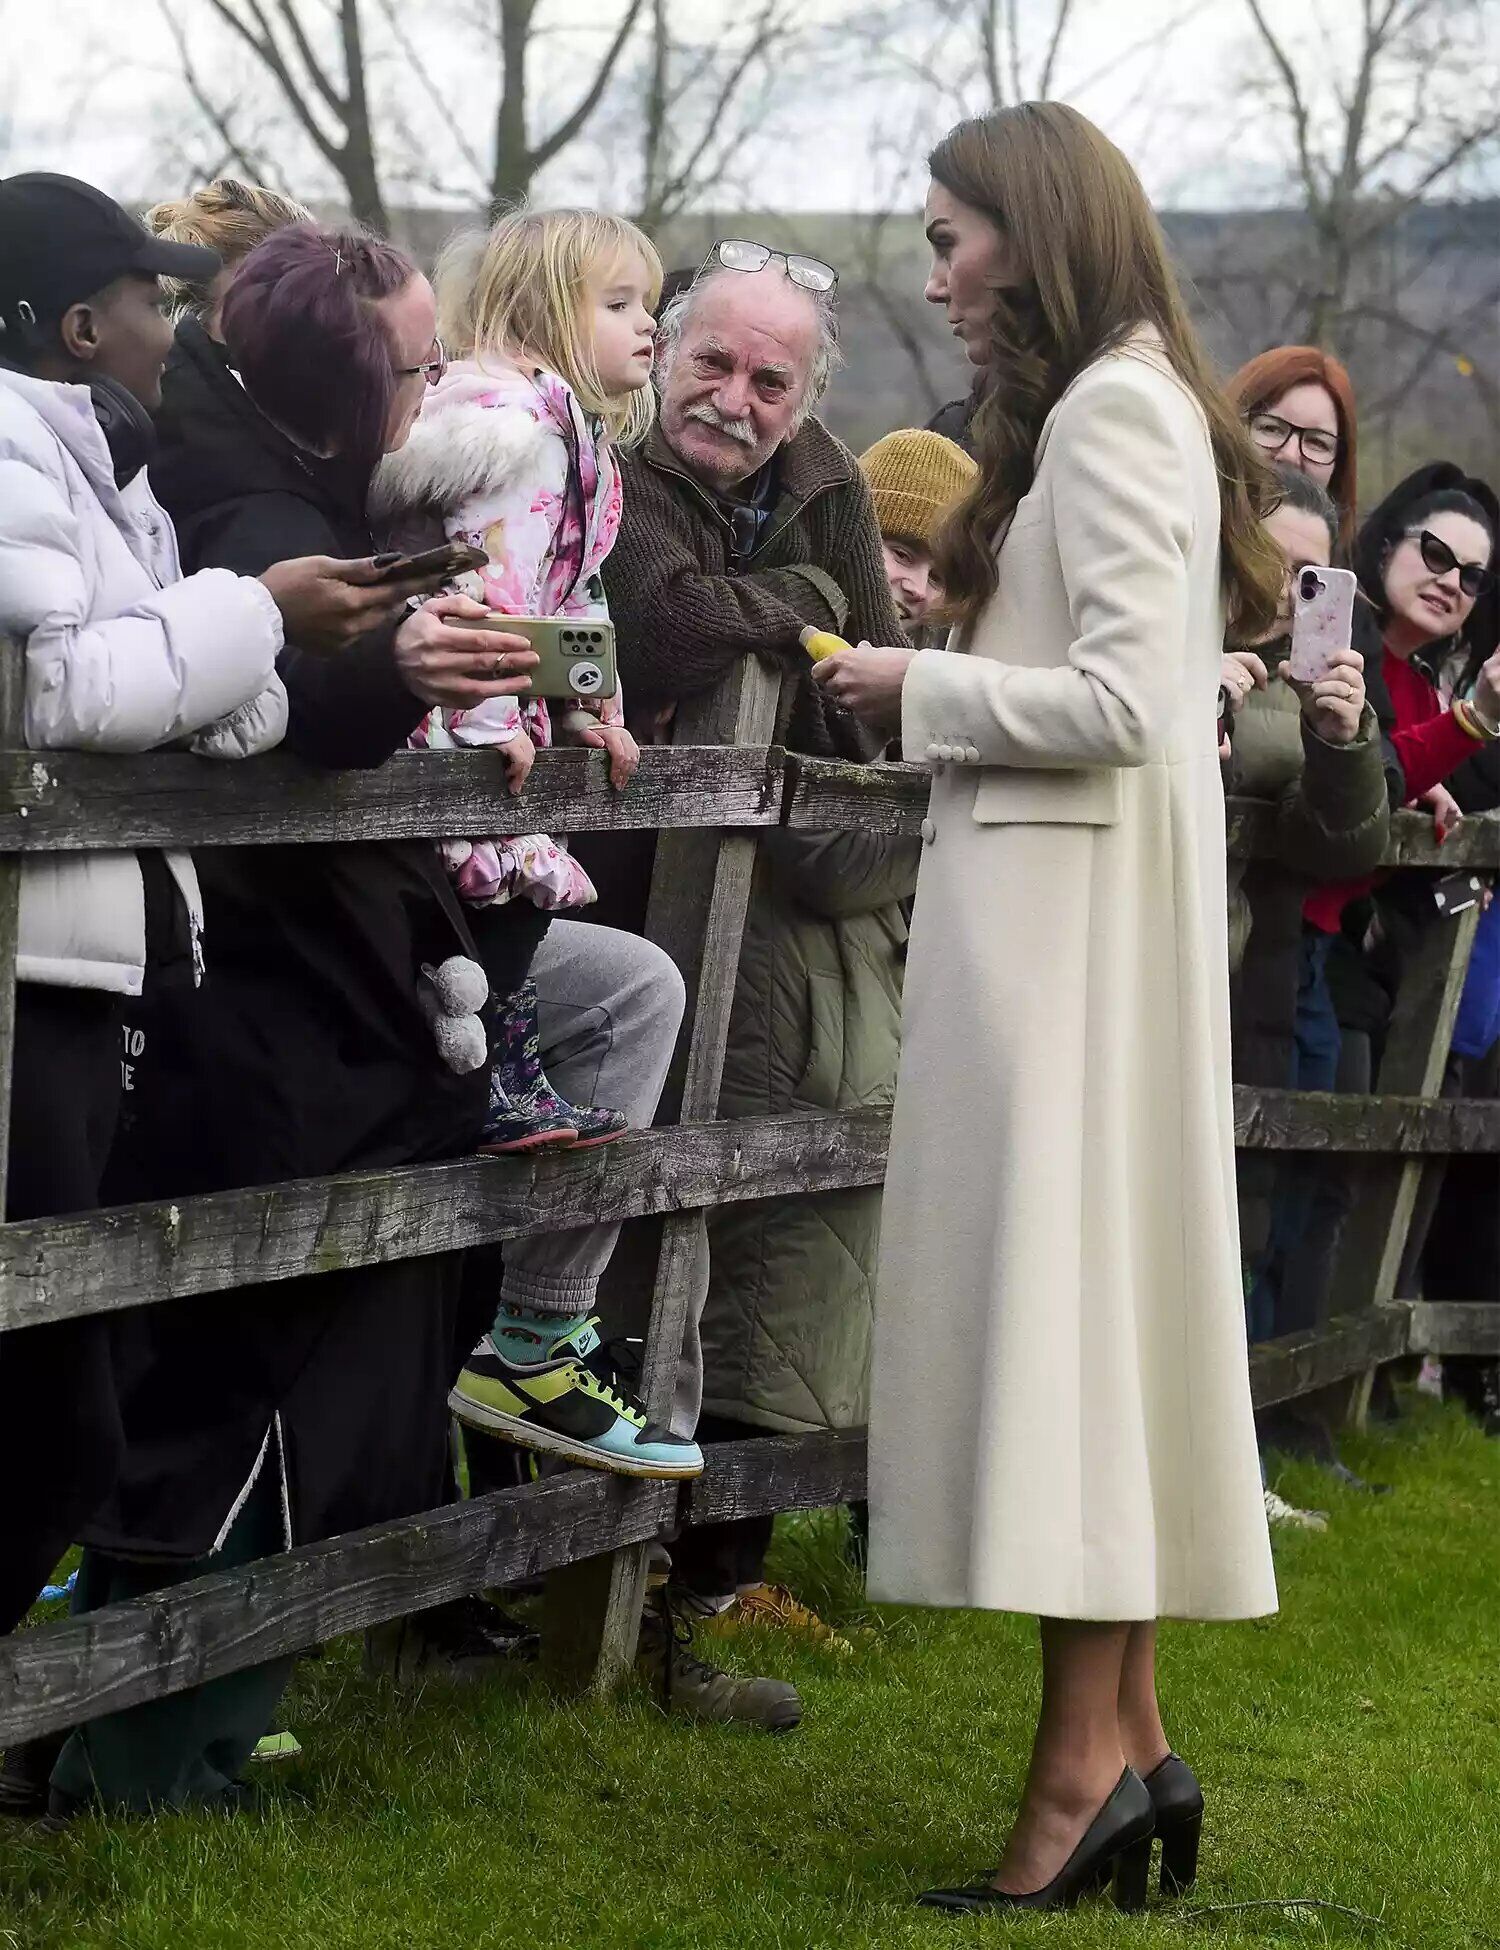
(507, 461)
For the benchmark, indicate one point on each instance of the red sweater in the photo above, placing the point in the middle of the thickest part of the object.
(1430, 743)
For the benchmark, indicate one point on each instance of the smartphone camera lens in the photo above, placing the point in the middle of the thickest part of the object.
(1311, 583)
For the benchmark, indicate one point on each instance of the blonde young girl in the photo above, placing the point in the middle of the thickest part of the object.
(513, 453)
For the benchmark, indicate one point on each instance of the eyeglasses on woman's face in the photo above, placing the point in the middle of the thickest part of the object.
(1473, 577)
(739, 254)
(432, 368)
(1315, 444)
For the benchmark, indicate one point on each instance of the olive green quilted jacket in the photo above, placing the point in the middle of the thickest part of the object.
(816, 1026)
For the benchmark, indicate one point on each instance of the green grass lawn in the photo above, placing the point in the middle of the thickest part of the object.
(1350, 1750)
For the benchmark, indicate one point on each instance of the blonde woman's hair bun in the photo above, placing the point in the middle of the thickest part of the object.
(226, 216)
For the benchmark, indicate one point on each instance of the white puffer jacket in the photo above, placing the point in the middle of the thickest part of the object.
(122, 654)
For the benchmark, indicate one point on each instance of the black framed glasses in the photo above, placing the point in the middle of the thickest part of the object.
(1473, 577)
(431, 369)
(739, 254)
(1271, 432)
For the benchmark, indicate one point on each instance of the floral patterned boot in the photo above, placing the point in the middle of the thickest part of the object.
(525, 1112)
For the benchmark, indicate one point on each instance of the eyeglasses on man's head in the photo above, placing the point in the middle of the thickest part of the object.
(739, 254)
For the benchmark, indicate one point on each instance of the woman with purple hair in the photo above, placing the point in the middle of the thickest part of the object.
(288, 1412)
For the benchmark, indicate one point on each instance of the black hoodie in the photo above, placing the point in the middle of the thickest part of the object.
(305, 1052)
(241, 497)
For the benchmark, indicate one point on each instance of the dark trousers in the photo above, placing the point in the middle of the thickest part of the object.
(1461, 1246)
(507, 938)
(60, 1435)
(716, 1559)
(185, 1750)
(1282, 1294)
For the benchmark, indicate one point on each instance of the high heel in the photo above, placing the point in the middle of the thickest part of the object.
(1177, 1802)
(1117, 1841)
(1133, 1874)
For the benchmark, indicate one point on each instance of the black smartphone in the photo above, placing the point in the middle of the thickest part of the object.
(434, 565)
(1456, 891)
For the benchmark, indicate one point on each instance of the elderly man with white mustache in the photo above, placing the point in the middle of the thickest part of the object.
(745, 521)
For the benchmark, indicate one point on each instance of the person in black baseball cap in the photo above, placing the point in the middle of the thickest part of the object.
(118, 653)
(79, 297)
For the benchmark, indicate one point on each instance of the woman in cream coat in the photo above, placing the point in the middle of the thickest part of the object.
(1061, 1417)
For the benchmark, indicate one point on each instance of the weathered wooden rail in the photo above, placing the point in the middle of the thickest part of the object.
(139, 1255)
(708, 795)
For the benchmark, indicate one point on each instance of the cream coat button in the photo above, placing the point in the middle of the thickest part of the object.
(935, 753)
(971, 753)
(929, 832)
(948, 751)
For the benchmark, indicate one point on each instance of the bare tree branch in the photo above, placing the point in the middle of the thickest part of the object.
(1443, 166)
(1406, 55)
(217, 118)
(1296, 106)
(690, 175)
(441, 102)
(722, 117)
(1054, 47)
(1446, 337)
(569, 127)
(263, 43)
(317, 74)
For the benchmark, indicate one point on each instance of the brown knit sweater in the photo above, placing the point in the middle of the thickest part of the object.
(682, 615)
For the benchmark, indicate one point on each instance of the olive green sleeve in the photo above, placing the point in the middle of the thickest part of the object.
(1333, 819)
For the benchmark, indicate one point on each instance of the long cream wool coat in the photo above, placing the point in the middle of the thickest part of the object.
(1061, 1417)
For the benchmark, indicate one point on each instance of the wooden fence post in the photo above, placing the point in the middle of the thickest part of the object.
(700, 895)
(12, 737)
(1412, 1065)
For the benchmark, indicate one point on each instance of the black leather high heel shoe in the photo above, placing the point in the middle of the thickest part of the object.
(1177, 1801)
(1117, 1842)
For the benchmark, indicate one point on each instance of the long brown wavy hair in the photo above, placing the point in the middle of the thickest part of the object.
(1095, 267)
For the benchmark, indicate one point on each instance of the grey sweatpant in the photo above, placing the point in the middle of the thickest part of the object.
(608, 1006)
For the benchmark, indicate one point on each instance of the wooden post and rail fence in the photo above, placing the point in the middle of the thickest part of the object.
(709, 794)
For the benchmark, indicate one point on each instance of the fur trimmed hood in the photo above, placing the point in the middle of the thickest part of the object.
(477, 433)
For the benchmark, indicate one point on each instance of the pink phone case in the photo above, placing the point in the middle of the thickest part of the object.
(1322, 620)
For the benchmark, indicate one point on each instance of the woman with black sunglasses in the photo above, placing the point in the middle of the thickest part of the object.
(1422, 617)
(1425, 562)
(1426, 559)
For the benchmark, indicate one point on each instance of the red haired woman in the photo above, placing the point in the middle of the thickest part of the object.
(1298, 404)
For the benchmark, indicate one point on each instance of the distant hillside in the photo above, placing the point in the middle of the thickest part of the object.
(1241, 270)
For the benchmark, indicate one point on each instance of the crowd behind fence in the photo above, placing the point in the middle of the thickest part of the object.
(709, 800)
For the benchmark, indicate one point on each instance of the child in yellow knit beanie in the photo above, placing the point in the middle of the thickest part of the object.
(915, 477)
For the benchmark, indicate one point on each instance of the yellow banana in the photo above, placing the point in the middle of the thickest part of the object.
(821, 643)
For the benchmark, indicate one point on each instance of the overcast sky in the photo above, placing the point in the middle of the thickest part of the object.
(92, 87)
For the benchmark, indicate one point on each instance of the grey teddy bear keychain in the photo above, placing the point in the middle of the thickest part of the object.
(451, 997)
